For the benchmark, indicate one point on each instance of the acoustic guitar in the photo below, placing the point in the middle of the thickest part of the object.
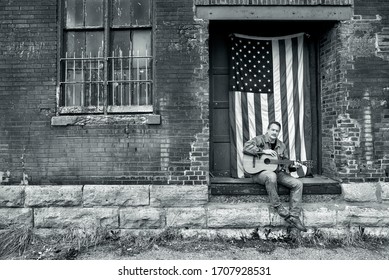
(255, 164)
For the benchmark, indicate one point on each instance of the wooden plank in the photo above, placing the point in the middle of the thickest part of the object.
(231, 186)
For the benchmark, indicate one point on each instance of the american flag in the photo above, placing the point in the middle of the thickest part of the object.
(269, 82)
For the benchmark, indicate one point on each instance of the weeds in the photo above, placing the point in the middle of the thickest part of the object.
(15, 240)
(320, 239)
(132, 245)
(23, 242)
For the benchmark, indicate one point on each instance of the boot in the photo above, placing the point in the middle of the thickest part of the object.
(295, 222)
(282, 211)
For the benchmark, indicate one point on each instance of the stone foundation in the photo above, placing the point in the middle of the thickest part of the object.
(145, 208)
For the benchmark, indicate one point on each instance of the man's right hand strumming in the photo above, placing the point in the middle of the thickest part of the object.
(270, 152)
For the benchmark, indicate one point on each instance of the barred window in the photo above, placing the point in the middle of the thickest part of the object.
(106, 57)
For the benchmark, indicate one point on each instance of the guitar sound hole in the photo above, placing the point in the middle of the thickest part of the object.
(267, 161)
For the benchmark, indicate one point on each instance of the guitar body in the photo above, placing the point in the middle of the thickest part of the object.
(254, 164)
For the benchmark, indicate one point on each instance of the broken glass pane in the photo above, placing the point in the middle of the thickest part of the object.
(121, 42)
(131, 12)
(142, 42)
(121, 12)
(75, 44)
(94, 44)
(74, 13)
(140, 12)
(94, 13)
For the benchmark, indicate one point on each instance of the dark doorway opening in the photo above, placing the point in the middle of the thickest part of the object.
(219, 32)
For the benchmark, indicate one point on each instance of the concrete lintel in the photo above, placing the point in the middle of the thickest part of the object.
(82, 120)
(330, 13)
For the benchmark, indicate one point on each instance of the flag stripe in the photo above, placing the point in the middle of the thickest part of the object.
(258, 117)
(245, 117)
(300, 51)
(276, 84)
(264, 112)
(284, 100)
(307, 103)
(239, 131)
(289, 94)
(251, 114)
(296, 100)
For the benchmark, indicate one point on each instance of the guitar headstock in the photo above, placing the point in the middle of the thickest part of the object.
(307, 163)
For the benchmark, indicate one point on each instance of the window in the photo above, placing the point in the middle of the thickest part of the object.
(106, 57)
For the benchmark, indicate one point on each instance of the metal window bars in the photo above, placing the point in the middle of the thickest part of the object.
(128, 87)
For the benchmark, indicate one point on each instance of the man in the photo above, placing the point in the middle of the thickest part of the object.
(269, 144)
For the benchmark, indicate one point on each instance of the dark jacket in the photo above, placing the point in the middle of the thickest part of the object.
(256, 145)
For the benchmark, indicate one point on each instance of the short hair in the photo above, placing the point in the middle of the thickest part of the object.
(274, 122)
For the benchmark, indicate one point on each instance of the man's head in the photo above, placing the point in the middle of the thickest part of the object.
(273, 130)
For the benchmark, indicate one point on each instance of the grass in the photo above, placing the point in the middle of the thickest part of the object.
(23, 243)
(15, 240)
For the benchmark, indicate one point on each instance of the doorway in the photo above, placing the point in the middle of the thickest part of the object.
(219, 31)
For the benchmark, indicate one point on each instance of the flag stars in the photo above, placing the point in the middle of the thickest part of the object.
(253, 68)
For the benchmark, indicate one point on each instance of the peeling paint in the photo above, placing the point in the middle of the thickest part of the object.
(4, 177)
(382, 43)
(27, 50)
(359, 37)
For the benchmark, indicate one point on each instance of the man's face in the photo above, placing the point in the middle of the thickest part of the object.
(273, 131)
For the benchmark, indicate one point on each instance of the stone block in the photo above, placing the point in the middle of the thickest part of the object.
(16, 217)
(380, 232)
(11, 196)
(319, 215)
(247, 215)
(360, 192)
(186, 217)
(216, 233)
(178, 196)
(62, 217)
(142, 217)
(335, 232)
(384, 187)
(367, 215)
(116, 195)
(45, 196)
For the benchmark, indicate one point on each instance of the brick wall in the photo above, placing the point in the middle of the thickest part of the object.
(273, 2)
(354, 78)
(27, 84)
(371, 8)
(176, 151)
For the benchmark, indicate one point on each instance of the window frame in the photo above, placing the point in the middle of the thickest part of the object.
(107, 29)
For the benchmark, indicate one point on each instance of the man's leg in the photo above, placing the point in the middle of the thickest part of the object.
(269, 179)
(296, 194)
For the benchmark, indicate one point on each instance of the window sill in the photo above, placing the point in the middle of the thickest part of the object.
(84, 120)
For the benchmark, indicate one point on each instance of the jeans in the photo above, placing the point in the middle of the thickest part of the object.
(270, 180)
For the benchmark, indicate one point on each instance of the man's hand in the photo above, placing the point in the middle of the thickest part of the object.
(270, 152)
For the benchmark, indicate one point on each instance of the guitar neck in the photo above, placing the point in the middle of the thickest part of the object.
(281, 161)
